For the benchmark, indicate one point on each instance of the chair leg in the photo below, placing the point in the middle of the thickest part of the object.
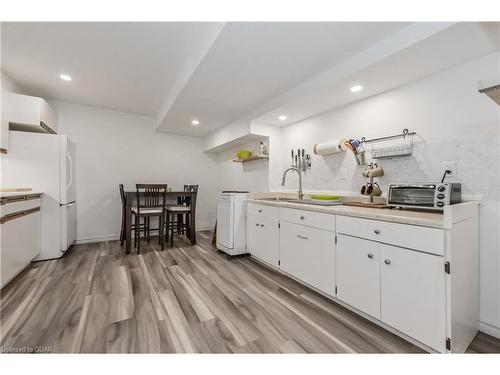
(139, 236)
(160, 233)
(122, 230)
(179, 221)
(135, 232)
(148, 227)
(172, 232)
(188, 228)
(167, 226)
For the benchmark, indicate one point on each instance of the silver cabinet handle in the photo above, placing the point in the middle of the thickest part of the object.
(387, 261)
(377, 231)
(302, 237)
(302, 217)
(370, 255)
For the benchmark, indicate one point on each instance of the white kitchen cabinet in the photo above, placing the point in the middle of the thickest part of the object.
(308, 254)
(4, 124)
(29, 113)
(413, 296)
(20, 239)
(263, 233)
(358, 274)
(421, 282)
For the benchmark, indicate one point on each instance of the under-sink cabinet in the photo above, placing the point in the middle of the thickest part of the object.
(308, 252)
(263, 233)
(420, 282)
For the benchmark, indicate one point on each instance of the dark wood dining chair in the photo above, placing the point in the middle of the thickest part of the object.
(150, 202)
(124, 213)
(182, 211)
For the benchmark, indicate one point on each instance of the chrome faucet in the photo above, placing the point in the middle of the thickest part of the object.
(301, 195)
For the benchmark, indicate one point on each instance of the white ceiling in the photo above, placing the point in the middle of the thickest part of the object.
(416, 52)
(222, 73)
(250, 63)
(126, 66)
(178, 71)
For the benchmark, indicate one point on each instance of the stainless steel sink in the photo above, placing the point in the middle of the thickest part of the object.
(316, 202)
(301, 201)
(275, 199)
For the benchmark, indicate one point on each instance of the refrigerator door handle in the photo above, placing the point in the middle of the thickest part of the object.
(70, 163)
(68, 204)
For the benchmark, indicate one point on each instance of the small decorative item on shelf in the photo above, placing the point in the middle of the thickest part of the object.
(356, 146)
(262, 149)
(243, 154)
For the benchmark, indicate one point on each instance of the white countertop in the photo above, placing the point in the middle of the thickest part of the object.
(413, 217)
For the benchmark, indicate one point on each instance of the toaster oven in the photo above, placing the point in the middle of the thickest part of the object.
(432, 196)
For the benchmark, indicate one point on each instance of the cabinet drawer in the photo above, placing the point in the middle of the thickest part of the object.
(263, 210)
(430, 240)
(20, 205)
(312, 219)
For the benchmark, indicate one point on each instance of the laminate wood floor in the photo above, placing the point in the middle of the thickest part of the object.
(187, 298)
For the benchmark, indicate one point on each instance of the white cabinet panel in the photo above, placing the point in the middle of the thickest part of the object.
(313, 219)
(30, 113)
(20, 243)
(4, 124)
(430, 240)
(413, 294)
(263, 238)
(358, 274)
(309, 255)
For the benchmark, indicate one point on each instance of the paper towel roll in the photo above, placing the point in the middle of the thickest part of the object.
(327, 148)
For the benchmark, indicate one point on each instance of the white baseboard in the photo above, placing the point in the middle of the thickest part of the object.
(489, 329)
(80, 241)
(116, 237)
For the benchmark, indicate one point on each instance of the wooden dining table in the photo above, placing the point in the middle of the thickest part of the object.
(131, 200)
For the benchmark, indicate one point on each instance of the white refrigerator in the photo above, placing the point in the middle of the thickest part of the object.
(46, 163)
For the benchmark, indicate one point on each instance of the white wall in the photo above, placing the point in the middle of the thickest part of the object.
(114, 147)
(252, 176)
(453, 122)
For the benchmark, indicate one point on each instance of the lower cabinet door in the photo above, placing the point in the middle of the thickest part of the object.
(309, 255)
(263, 238)
(19, 244)
(358, 274)
(413, 294)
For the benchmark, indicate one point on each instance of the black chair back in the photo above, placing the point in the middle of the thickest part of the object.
(153, 196)
(122, 194)
(187, 200)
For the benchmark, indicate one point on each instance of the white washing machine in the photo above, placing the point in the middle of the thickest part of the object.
(232, 222)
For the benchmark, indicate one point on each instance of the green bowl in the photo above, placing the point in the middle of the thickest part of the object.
(243, 154)
(320, 197)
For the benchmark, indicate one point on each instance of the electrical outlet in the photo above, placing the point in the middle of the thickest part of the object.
(452, 166)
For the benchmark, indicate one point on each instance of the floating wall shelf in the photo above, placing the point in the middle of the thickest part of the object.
(251, 158)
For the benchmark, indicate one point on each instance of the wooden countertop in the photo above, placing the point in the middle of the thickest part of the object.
(18, 194)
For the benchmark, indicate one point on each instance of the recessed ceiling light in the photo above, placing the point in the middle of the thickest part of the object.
(65, 77)
(356, 88)
(195, 122)
(282, 118)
